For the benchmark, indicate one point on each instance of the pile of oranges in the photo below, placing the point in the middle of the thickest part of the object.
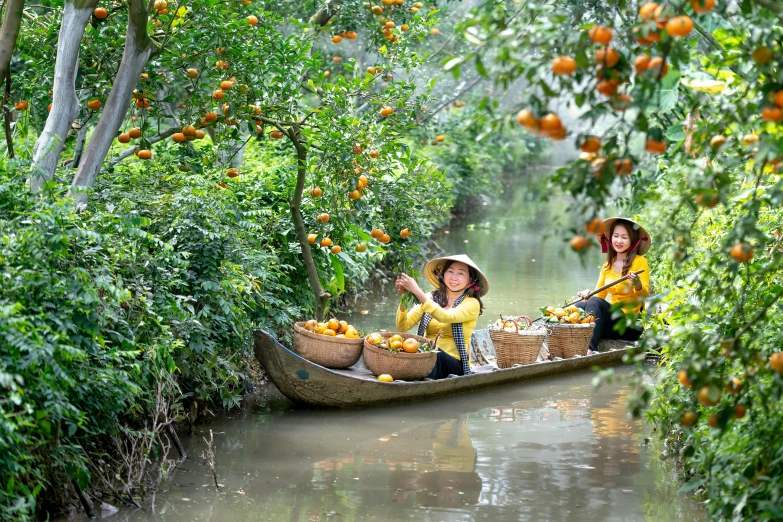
(333, 328)
(396, 343)
(568, 315)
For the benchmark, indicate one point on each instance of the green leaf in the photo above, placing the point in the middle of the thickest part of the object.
(339, 277)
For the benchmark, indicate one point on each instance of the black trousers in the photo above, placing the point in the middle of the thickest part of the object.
(445, 365)
(604, 324)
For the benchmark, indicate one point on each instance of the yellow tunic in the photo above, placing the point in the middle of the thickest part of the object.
(625, 292)
(466, 313)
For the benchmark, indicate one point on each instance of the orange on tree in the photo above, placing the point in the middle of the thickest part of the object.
(384, 238)
(124, 138)
(326, 242)
(708, 396)
(750, 139)
(211, 116)
(336, 249)
(594, 225)
(405, 233)
(579, 243)
(741, 252)
(200, 135)
(134, 133)
(252, 20)
(217, 94)
(717, 141)
(21, 105)
(178, 137)
(316, 192)
(679, 26)
(386, 111)
(337, 59)
(776, 362)
(376, 233)
(144, 154)
(361, 247)
(688, 419)
(647, 11)
(739, 411)
(440, 138)
(778, 99)
(600, 35)
(641, 63)
(189, 130)
(226, 85)
(323, 218)
(682, 376)
(564, 65)
(94, 105)
(591, 144)
(662, 15)
(709, 200)
(337, 38)
(658, 66)
(354, 194)
(276, 134)
(655, 147)
(550, 123)
(702, 6)
(771, 114)
(434, 31)
(374, 154)
(100, 13)
(232, 173)
(526, 119)
(762, 55)
(607, 56)
(192, 73)
(607, 87)
(712, 421)
(734, 386)
(311, 238)
(623, 167)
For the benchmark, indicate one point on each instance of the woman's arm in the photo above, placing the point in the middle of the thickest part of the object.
(406, 319)
(641, 284)
(467, 311)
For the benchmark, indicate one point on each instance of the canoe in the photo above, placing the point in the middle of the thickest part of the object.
(307, 383)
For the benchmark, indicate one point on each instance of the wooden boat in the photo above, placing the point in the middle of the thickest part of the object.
(307, 383)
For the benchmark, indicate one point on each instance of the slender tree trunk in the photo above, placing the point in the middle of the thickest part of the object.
(139, 47)
(9, 139)
(9, 33)
(81, 137)
(321, 297)
(65, 104)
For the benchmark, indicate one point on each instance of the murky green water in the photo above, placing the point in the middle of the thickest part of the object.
(551, 449)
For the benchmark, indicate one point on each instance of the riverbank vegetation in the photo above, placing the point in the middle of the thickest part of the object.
(175, 174)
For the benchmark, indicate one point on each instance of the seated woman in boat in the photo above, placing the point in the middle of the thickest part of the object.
(624, 241)
(451, 310)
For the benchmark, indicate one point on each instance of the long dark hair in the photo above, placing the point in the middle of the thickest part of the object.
(611, 253)
(441, 296)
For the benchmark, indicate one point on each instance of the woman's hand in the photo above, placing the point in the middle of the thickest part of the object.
(633, 277)
(398, 286)
(584, 293)
(410, 284)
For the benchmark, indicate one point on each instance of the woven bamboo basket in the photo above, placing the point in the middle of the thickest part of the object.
(329, 352)
(401, 366)
(566, 341)
(517, 347)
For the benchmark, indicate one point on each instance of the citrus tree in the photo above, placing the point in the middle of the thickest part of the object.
(676, 107)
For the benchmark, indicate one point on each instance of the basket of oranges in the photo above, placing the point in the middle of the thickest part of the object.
(333, 344)
(571, 331)
(516, 341)
(404, 356)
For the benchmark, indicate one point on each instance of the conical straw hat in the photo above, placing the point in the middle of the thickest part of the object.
(438, 262)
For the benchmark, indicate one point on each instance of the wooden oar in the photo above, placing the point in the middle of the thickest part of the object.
(596, 291)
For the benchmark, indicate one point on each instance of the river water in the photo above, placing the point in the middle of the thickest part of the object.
(551, 449)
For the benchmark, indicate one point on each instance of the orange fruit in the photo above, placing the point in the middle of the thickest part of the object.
(386, 111)
(591, 144)
(395, 345)
(641, 63)
(683, 378)
(662, 14)
(679, 26)
(741, 252)
(623, 167)
(776, 361)
(211, 116)
(647, 11)
(440, 138)
(551, 123)
(385, 378)
(734, 386)
(316, 192)
(342, 326)
(320, 328)
(579, 243)
(326, 242)
(22, 105)
(252, 20)
(705, 399)
(656, 64)
(333, 323)
(355, 194)
(607, 57)
(526, 119)
(771, 114)
(100, 13)
(385, 238)
(405, 233)
(712, 421)
(707, 200)
(226, 85)
(330, 332)
(178, 137)
(361, 247)
(123, 138)
(434, 31)
(351, 35)
(594, 225)
(94, 105)
(232, 173)
(144, 154)
(750, 139)
(600, 35)
(410, 345)
(337, 38)
(310, 325)
(376, 233)
(702, 6)
(189, 130)
(192, 73)
(311, 238)
(607, 87)
(276, 134)
(564, 65)
(336, 249)
(739, 411)
(717, 141)
(688, 419)
(655, 147)
(217, 94)
(143, 103)
(134, 133)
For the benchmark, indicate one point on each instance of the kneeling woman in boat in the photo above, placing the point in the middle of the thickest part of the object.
(624, 241)
(451, 310)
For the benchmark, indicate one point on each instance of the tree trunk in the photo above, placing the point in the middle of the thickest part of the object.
(9, 138)
(9, 33)
(81, 137)
(138, 50)
(321, 297)
(65, 104)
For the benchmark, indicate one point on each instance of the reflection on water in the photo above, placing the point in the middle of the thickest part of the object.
(551, 449)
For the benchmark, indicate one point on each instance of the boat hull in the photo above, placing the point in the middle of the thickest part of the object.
(307, 383)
